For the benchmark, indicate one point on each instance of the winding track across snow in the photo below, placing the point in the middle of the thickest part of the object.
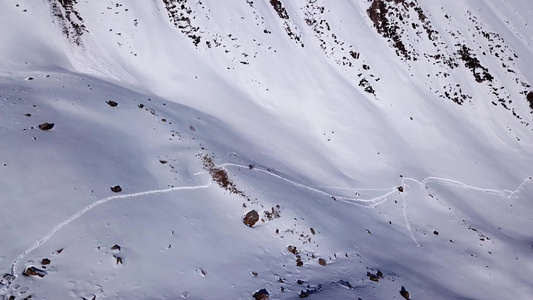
(13, 270)
(366, 203)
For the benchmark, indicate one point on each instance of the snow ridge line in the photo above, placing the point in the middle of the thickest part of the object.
(51, 233)
(383, 198)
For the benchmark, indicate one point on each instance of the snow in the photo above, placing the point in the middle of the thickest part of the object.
(331, 155)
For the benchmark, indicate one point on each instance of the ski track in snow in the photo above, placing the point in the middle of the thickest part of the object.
(365, 203)
(51, 233)
(392, 190)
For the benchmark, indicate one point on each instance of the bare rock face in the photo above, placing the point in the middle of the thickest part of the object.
(33, 271)
(261, 294)
(251, 218)
(46, 126)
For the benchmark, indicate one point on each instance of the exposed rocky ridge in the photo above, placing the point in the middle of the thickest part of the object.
(406, 25)
(68, 19)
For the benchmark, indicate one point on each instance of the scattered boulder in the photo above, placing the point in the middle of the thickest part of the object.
(375, 277)
(46, 126)
(322, 262)
(7, 279)
(116, 189)
(292, 249)
(261, 294)
(140, 105)
(29, 78)
(404, 293)
(529, 98)
(33, 271)
(304, 294)
(116, 248)
(435, 232)
(372, 277)
(299, 262)
(251, 218)
(112, 103)
(400, 189)
(118, 259)
(312, 231)
(45, 261)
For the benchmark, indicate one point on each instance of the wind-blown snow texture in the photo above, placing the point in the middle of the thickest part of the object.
(373, 135)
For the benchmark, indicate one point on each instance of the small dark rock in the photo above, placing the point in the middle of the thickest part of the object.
(435, 232)
(251, 218)
(29, 78)
(322, 262)
(299, 262)
(261, 294)
(292, 249)
(28, 115)
(312, 231)
(118, 259)
(116, 247)
(300, 282)
(7, 279)
(404, 293)
(163, 161)
(400, 188)
(116, 189)
(45, 261)
(529, 98)
(304, 294)
(33, 271)
(46, 126)
(112, 103)
(140, 105)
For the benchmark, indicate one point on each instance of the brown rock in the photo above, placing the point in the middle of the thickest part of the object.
(33, 271)
(261, 294)
(45, 261)
(251, 218)
(292, 249)
(116, 247)
(400, 188)
(322, 262)
(404, 293)
(46, 126)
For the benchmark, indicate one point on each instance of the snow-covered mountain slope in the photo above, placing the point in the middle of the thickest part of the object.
(384, 146)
